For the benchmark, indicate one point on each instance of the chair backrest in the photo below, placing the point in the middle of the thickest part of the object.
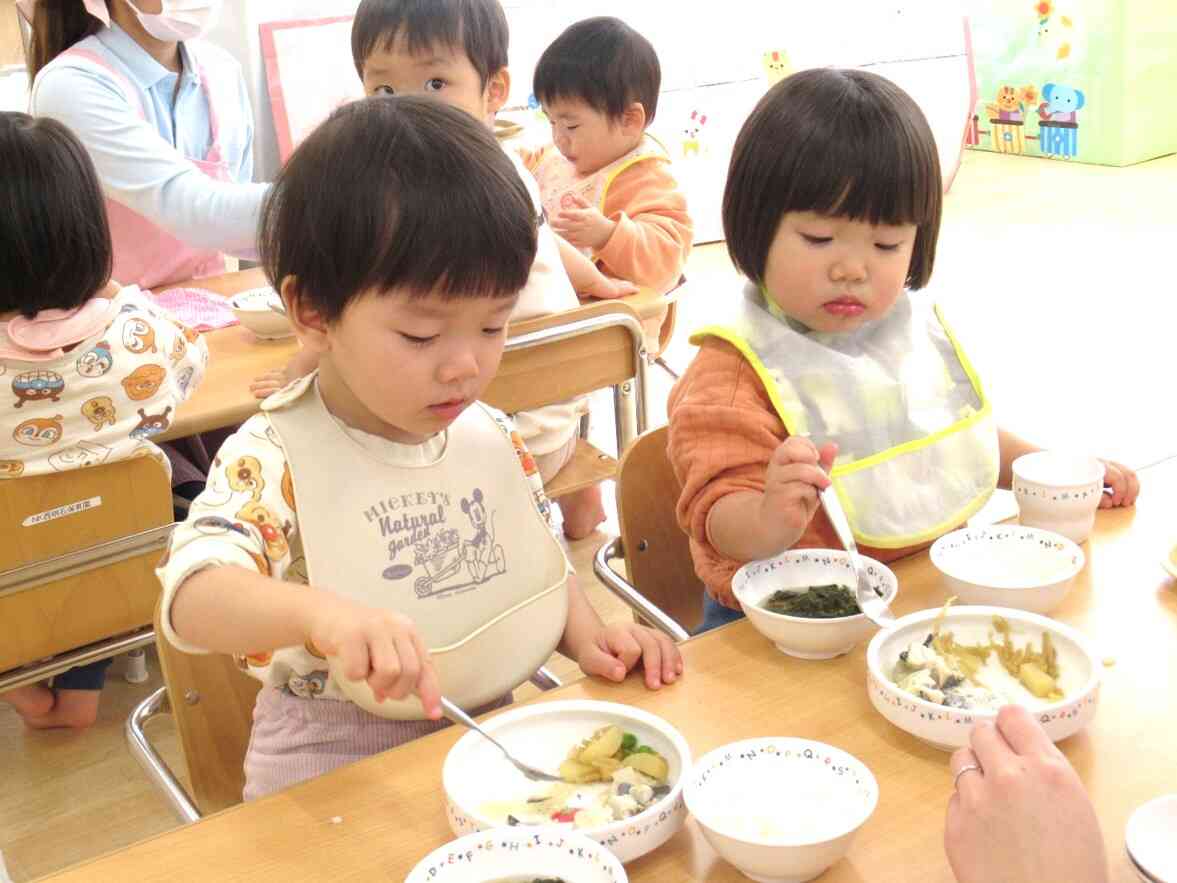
(555, 358)
(78, 556)
(212, 704)
(657, 552)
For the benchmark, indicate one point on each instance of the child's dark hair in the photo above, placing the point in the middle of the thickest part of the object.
(55, 249)
(477, 27)
(843, 143)
(402, 193)
(604, 63)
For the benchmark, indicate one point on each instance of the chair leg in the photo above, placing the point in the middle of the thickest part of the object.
(643, 608)
(153, 764)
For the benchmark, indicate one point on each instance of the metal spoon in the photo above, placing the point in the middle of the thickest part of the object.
(460, 717)
(869, 599)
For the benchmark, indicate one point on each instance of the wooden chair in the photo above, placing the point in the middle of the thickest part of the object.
(555, 358)
(77, 580)
(660, 585)
(211, 701)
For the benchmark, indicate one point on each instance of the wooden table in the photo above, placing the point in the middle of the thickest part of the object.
(738, 686)
(236, 356)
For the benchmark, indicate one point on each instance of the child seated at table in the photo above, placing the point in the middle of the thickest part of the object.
(410, 513)
(828, 366)
(606, 184)
(95, 370)
(456, 51)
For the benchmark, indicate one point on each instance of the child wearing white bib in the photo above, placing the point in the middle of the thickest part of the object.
(829, 366)
(376, 537)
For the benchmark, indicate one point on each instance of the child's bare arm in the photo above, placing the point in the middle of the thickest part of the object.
(586, 278)
(231, 609)
(750, 525)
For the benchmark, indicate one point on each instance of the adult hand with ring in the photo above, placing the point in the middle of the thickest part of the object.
(1019, 812)
(963, 761)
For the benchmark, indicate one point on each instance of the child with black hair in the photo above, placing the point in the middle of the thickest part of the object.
(95, 370)
(832, 212)
(456, 52)
(376, 531)
(606, 184)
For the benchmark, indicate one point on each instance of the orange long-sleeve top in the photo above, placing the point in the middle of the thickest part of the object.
(652, 240)
(723, 430)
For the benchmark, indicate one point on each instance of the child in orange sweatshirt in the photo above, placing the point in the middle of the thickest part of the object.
(606, 185)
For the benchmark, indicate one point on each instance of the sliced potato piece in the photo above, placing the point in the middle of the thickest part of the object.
(604, 743)
(607, 766)
(652, 765)
(1036, 680)
(579, 773)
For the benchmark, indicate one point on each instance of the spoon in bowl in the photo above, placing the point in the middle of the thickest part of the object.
(870, 600)
(458, 716)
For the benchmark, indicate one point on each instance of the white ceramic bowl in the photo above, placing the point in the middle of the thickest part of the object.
(1058, 491)
(1150, 838)
(780, 809)
(510, 852)
(949, 728)
(802, 636)
(258, 310)
(475, 773)
(1007, 565)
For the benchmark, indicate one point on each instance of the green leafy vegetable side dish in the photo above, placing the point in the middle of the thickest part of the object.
(816, 602)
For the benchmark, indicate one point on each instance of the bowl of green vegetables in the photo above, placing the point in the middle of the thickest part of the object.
(803, 601)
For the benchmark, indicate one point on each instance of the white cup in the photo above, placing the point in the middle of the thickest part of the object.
(1059, 492)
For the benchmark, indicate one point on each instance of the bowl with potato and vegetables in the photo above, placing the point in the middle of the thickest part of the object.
(622, 772)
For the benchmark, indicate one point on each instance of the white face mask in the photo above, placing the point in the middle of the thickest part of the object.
(179, 20)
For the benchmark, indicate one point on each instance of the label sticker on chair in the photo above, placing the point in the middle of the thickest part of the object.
(62, 511)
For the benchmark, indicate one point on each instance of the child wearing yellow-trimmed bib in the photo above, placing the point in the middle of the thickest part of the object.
(828, 365)
(376, 531)
(606, 184)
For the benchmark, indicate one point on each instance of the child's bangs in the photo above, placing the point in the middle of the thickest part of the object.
(452, 250)
(871, 170)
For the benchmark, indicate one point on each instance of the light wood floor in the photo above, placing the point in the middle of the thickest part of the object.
(1057, 276)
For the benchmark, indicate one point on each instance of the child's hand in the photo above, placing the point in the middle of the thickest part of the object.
(1123, 482)
(796, 472)
(584, 226)
(377, 646)
(301, 364)
(616, 649)
(268, 384)
(608, 289)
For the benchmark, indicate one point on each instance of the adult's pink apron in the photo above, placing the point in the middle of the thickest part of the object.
(145, 254)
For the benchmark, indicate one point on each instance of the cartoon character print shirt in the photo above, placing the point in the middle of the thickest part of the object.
(104, 399)
(247, 517)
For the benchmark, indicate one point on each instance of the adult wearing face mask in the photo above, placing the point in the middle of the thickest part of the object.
(167, 123)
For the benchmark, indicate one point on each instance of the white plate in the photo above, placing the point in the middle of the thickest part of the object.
(476, 773)
(507, 852)
(949, 728)
(1151, 837)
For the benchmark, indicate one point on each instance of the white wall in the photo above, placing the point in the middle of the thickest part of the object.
(237, 31)
(698, 43)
